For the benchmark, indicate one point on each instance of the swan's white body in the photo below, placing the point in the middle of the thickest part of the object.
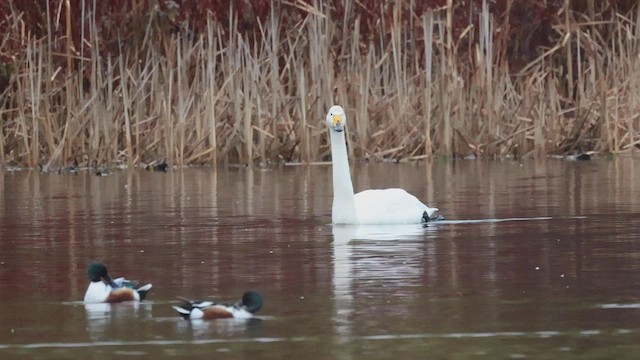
(388, 206)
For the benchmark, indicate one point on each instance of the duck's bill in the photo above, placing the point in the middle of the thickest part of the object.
(107, 280)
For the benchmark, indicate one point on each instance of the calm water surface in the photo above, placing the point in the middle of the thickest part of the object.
(535, 260)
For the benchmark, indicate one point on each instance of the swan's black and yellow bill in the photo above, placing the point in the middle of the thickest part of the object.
(338, 124)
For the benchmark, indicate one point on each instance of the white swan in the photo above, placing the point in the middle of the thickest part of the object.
(388, 206)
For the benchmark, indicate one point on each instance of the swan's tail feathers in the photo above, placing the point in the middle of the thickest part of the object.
(434, 217)
(143, 291)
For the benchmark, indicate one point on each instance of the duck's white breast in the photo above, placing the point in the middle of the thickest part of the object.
(97, 292)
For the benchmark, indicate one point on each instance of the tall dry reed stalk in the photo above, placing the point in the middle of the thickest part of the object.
(231, 96)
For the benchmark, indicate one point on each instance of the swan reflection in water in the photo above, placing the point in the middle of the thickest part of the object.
(368, 254)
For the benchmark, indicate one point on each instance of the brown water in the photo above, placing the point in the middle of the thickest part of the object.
(536, 260)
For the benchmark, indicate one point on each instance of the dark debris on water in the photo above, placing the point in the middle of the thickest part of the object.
(162, 167)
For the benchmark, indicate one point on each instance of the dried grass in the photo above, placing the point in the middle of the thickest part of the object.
(234, 97)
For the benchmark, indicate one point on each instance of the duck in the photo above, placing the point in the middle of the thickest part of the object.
(369, 207)
(244, 308)
(162, 167)
(102, 289)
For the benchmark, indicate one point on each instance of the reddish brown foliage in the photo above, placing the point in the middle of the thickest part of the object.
(124, 21)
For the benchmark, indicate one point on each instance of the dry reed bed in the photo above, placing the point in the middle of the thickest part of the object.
(227, 96)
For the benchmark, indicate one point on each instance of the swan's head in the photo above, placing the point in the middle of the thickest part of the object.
(336, 118)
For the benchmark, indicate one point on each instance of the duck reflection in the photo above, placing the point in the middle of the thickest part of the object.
(106, 320)
(199, 329)
(367, 254)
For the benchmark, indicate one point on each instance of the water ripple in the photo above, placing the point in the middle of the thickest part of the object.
(454, 335)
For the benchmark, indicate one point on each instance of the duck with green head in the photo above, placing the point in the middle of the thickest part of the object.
(102, 289)
(244, 308)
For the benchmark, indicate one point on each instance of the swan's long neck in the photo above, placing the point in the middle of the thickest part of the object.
(344, 208)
